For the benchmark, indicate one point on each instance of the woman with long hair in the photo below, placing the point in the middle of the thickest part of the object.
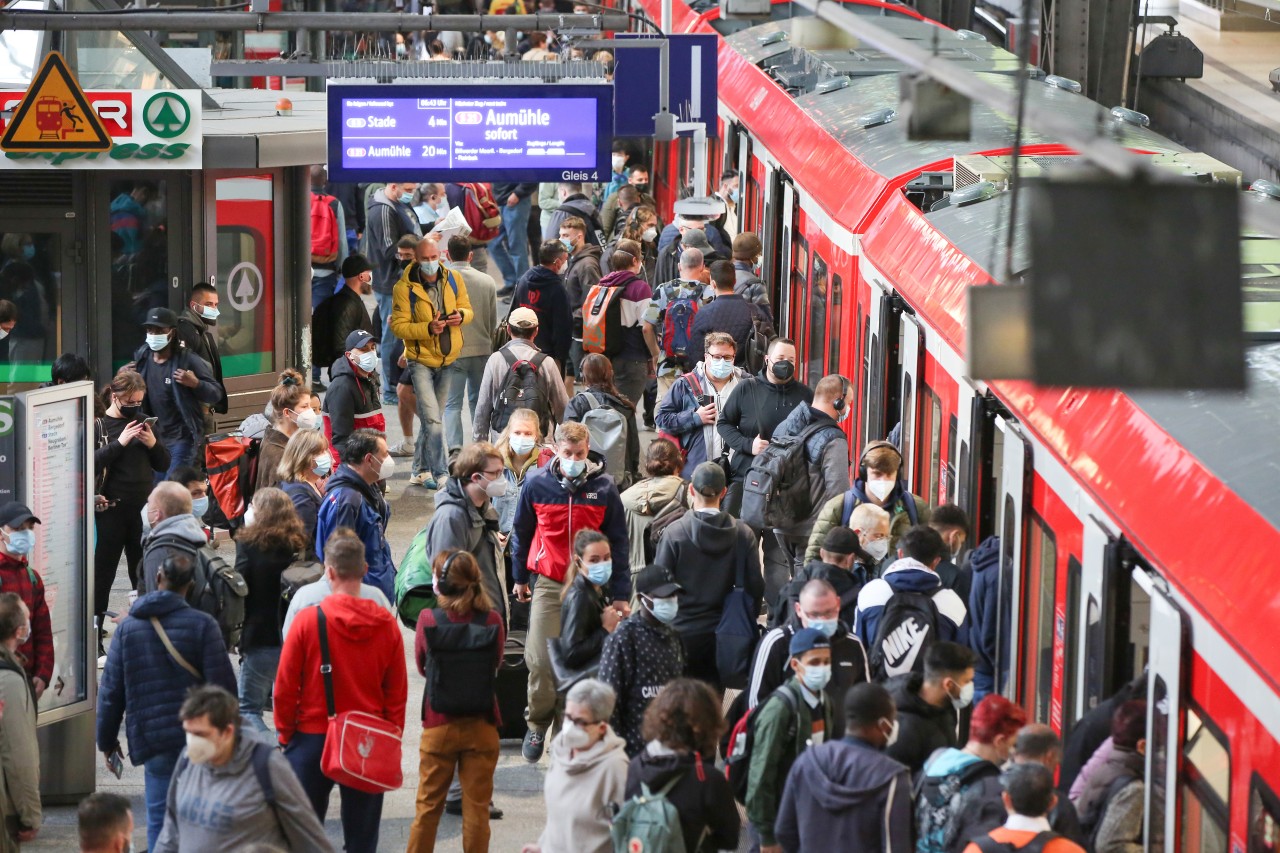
(642, 227)
(303, 468)
(291, 408)
(520, 445)
(586, 616)
(129, 455)
(597, 376)
(661, 485)
(459, 649)
(264, 549)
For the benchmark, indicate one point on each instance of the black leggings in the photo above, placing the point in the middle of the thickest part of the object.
(119, 529)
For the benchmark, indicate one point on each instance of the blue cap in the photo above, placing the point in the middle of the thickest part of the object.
(808, 639)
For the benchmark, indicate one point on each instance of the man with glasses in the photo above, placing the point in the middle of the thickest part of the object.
(692, 407)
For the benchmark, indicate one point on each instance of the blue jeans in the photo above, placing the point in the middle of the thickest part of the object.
(389, 370)
(361, 812)
(510, 249)
(182, 451)
(464, 375)
(431, 386)
(156, 773)
(257, 677)
(322, 287)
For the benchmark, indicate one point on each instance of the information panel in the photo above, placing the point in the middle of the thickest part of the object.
(446, 132)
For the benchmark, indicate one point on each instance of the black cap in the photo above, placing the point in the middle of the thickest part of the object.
(656, 582)
(161, 317)
(14, 515)
(357, 339)
(840, 540)
(354, 265)
(708, 479)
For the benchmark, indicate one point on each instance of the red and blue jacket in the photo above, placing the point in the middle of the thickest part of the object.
(550, 512)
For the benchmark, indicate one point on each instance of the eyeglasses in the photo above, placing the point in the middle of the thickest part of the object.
(581, 723)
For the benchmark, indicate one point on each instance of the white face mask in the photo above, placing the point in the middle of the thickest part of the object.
(574, 737)
(495, 488)
(200, 749)
(965, 699)
(650, 234)
(367, 361)
(386, 468)
(157, 342)
(249, 516)
(892, 737)
(878, 549)
(306, 419)
(619, 162)
(4, 333)
(521, 444)
(146, 521)
(880, 489)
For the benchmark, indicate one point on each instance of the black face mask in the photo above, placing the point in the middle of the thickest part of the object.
(129, 413)
(641, 188)
(782, 370)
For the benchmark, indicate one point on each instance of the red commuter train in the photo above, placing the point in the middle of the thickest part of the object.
(1136, 528)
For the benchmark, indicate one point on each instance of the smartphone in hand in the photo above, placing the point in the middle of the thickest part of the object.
(115, 763)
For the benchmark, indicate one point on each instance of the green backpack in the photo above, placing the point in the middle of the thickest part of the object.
(414, 590)
(648, 823)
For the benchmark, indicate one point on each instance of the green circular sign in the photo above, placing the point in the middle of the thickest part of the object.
(166, 115)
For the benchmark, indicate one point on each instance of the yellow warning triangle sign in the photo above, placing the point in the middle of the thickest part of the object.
(55, 115)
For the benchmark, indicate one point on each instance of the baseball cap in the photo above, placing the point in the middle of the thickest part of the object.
(354, 265)
(806, 640)
(840, 540)
(708, 479)
(523, 318)
(16, 514)
(162, 317)
(357, 339)
(656, 582)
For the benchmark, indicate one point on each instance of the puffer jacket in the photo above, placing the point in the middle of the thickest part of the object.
(458, 523)
(641, 502)
(832, 515)
(677, 413)
(708, 816)
(351, 403)
(827, 451)
(417, 303)
(756, 407)
(582, 632)
(581, 789)
(703, 552)
(351, 502)
(141, 678)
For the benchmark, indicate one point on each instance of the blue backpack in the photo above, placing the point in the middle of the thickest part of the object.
(677, 328)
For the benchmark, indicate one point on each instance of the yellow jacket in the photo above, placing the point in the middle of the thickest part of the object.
(413, 326)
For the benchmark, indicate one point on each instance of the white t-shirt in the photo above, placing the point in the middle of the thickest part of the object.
(314, 593)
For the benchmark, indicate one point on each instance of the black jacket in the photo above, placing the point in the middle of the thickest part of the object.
(197, 336)
(924, 727)
(771, 668)
(261, 569)
(334, 319)
(350, 400)
(578, 407)
(702, 797)
(583, 273)
(130, 468)
(728, 313)
(542, 291)
(582, 632)
(639, 657)
(847, 582)
(956, 578)
(190, 401)
(522, 191)
(702, 552)
(757, 407)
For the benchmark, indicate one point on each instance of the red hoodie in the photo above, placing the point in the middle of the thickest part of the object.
(366, 650)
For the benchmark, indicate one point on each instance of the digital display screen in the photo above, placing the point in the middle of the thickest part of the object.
(444, 133)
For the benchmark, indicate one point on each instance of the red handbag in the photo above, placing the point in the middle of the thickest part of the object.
(361, 750)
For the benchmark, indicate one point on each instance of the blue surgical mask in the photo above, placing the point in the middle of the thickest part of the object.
(664, 609)
(406, 198)
(733, 196)
(21, 542)
(826, 626)
(368, 361)
(572, 467)
(719, 368)
(599, 573)
(568, 244)
(157, 342)
(199, 506)
(324, 464)
(430, 268)
(521, 444)
(816, 677)
(208, 312)
(28, 252)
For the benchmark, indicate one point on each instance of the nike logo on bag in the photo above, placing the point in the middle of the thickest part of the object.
(902, 647)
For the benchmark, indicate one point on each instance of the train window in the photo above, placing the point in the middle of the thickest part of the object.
(923, 473)
(31, 278)
(139, 261)
(833, 333)
(953, 436)
(1207, 789)
(1071, 657)
(817, 349)
(934, 494)
(246, 269)
(1158, 749)
(908, 425)
(1040, 578)
(1264, 818)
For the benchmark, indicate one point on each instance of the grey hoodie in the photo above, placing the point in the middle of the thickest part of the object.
(183, 527)
(222, 808)
(579, 789)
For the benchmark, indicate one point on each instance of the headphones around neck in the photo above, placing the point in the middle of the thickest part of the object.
(839, 404)
(862, 460)
(443, 583)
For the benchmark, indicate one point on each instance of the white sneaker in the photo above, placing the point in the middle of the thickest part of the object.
(425, 480)
(404, 449)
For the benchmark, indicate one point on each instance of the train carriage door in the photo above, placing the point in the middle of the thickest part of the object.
(1104, 617)
(873, 358)
(1014, 489)
(746, 198)
(1166, 681)
(774, 240)
(910, 345)
(785, 277)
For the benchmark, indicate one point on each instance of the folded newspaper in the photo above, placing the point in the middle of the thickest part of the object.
(453, 222)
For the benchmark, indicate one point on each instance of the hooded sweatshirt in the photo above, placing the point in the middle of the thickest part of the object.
(846, 790)
(224, 808)
(351, 403)
(984, 609)
(925, 728)
(908, 575)
(542, 291)
(351, 502)
(458, 523)
(185, 527)
(580, 789)
(703, 552)
(702, 796)
(367, 654)
(635, 297)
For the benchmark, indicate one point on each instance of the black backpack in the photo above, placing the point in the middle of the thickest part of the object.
(908, 627)
(216, 589)
(521, 390)
(987, 844)
(776, 491)
(671, 512)
(461, 658)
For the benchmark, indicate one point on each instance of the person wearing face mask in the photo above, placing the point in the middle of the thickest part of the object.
(127, 458)
(389, 217)
(465, 518)
(574, 202)
(196, 325)
(19, 754)
(291, 405)
(818, 607)
(196, 482)
(842, 563)
(144, 684)
(301, 472)
(352, 499)
(180, 385)
(173, 528)
(432, 205)
(222, 765)
(104, 823)
(586, 617)
(643, 654)
(588, 774)
(641, 226)
(954, 797)
(747, 250)
(931, 704)
(341, 314)
(542, 291)
(602, 406)
(570, 494)
(728, 192)
(431, 306)
(582, 274)
(617, 208)
(630, 355)
(522, 450)
(352, 401)
(797, 716)
(952, 523)
(879, 481)
(729, 313)
(849, 789)
(620, 175)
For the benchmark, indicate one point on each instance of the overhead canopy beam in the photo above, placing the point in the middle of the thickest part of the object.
(377, 22)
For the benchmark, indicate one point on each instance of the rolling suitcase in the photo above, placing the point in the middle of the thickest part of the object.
(513, 688)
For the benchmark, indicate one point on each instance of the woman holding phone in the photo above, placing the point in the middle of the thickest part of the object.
(129, 454)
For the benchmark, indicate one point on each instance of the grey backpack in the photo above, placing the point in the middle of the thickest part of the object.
(609, 433)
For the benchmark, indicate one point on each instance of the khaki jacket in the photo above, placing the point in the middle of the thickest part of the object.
(19, 757)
